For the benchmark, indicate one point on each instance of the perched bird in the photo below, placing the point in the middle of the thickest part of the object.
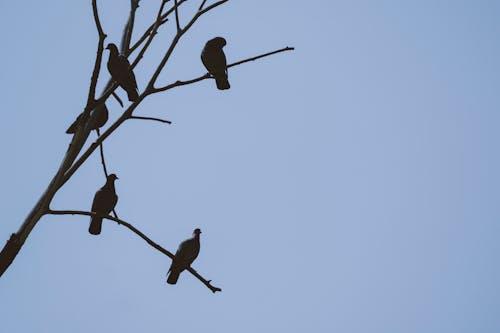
(120, 71)
(98, 117)
(104, 201)
(214, 60)
(184, 257)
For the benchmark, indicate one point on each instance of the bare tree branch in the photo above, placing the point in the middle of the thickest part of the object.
(164, 19)
(150, 87)
(129, 27)
(177, 16)
(140, 234)
(97, 64)
(118, 99)
(207, 75)
(202, 4)
(150, 118)
(151, 35)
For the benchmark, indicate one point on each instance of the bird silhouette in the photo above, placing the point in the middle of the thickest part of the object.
(98, 117)
(214, 59)
(120, 71)
(184, 257)
(104, 201)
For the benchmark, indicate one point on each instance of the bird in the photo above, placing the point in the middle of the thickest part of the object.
(98, 117)
(184, 257)
(104, 202)
(119, 68)
(214, 59)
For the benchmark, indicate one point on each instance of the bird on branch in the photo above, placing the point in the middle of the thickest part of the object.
(104, 202)
(98, 117)
(120, 71)
(184, 257)
(214, 59)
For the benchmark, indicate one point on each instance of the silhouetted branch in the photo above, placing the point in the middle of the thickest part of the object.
(118, 99)
(261, 56)
(103, 162)
(140, 234)
(151, 35)
(97, 64)
(176, 6)
(207, 75)
(129, 27)
(150, 118)
(145, 35)
(202, 4)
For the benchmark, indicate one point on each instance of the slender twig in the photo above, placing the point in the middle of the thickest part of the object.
(129, 27)
(150, 118)
(140, 234)
(103, 160)
(97, 64)
(118, 99)
(202, 4)
(177, 16)
(145, 35)
(207, 75)
(151, 35)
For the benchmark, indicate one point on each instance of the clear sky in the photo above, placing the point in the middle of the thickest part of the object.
(349, 186)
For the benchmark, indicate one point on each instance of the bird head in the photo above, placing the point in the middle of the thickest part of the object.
(218, 41)
(197, 232)
(112, 177)
(112, 48)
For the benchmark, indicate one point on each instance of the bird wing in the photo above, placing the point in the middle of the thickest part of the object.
(127, 74)
(104, 200)
(215, 61)
(187, 253)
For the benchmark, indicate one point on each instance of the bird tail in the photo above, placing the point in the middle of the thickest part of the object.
(132, 94)
(173, 277)
(222, 83)
(95, 225)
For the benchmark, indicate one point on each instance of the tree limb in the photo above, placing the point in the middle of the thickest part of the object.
(150, 118)
(207, 75)
(140, 234)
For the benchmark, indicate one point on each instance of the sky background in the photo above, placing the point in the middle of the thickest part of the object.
(351, 185)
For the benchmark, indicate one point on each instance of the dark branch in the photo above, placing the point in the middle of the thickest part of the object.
(97, 64)
(176, 6)
(118, 99)
(150, 118)
(140, 234)
(151, 35)
(129, 27)
(202, 4)
(206, 76)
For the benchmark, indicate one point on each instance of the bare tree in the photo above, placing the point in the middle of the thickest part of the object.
(74, 157)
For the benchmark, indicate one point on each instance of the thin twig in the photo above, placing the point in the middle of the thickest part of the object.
(118, 99)
(177, 16)
(150, 118)
(145, 35)
(151, 36)
(103, 161)
(140, 234)
(207, 75)
(97, 64)
(129, 27)
(202, 4)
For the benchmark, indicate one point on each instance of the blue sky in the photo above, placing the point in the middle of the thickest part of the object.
(349, 186)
